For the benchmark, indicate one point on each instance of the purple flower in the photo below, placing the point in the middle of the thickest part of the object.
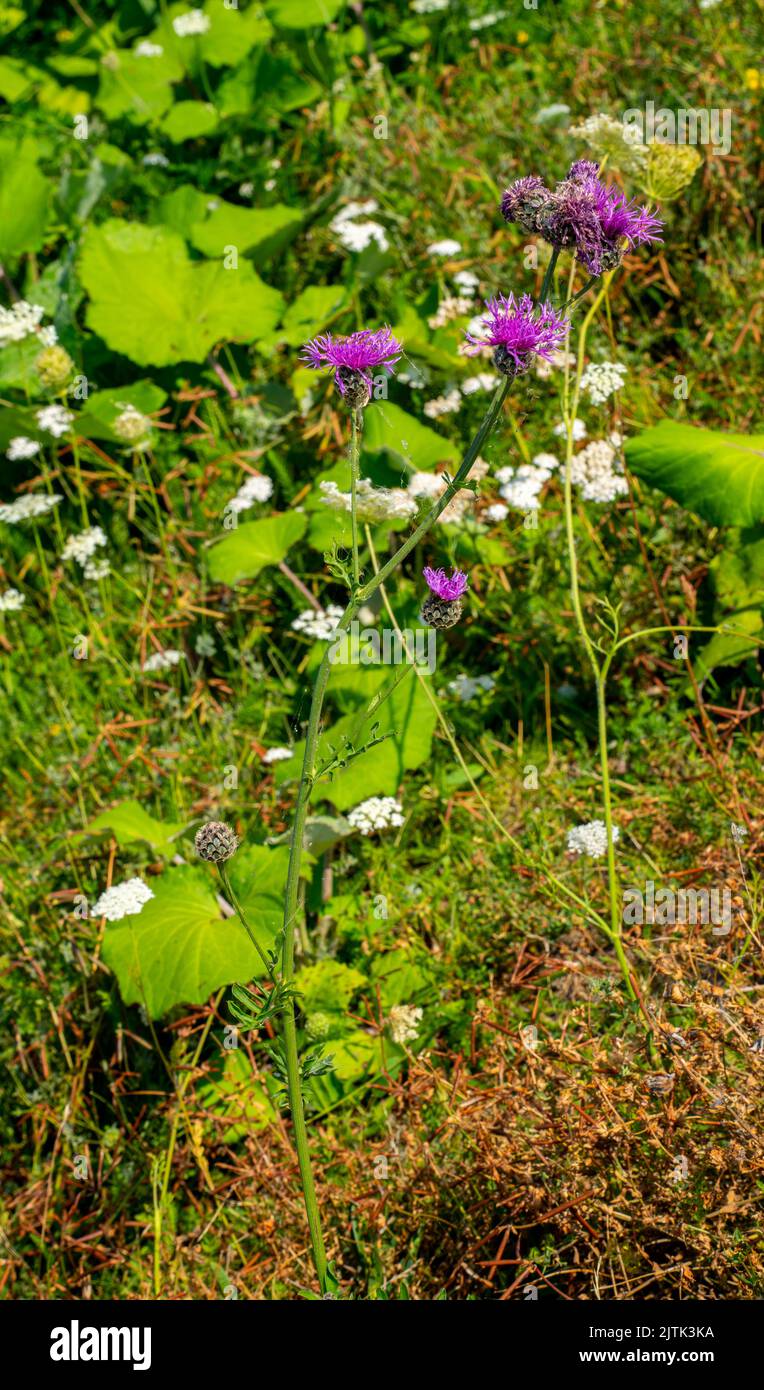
(517, 331)
(442, 586)
(353, 358)
(621, 218)
(573, 220)
(597, 218)
(583, 169)
(525, 202)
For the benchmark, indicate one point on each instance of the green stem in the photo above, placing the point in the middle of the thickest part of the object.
(549, 275)
(354, 423)
(228, 886)
(307, 777)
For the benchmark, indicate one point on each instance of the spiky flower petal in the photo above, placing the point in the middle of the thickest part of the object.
(446, 588)
(353, 359)
(518, 331)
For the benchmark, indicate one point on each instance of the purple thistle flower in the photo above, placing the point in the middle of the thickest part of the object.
(443, 587)
(620, 217)
(573, 220)
(353, 358)
(596, 217)
(518, 330)
(583, 169)
(525, 202)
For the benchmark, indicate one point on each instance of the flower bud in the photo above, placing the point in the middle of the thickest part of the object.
(216, 842)
(54, 367)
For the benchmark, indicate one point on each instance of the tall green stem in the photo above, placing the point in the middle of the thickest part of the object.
(360, 596)
(354, 431)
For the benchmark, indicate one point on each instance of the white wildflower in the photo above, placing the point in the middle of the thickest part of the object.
(256, 488)
(403, 1022)
(133, 427)
(557, 360)
(28, 507)
(429, 6)
(485, 381)
(11, 601)
(590, 838)
(97, 569)
(426, 485)
(123, 900)
(55, 419)
(319, 623)
(596, 473)
(205, 645)
(372, 503)
(355, 235)
(548, 461)
(521, 486)
(602, 379)
(452, 307)
(376, 813)
(147, 49)
(22, 448)
(190, 23)
(447, 247)
(443, 405)
(19, 321)
(579, 430)
(550, 113)
(496, 512)
(467, 281)
(155, 159)
(486, 20)
(246, 189)
(163, 661)
(83, 546)
(48, 336)
(277, 755)
(467, 687)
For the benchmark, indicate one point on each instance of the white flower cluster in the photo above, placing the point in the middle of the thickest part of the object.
(594, 471)
(550, 113)
(26, 508)
(21, 448)
(429, 6)
(498, 511)
(190, 23)
(485, 381)
(467, 687)
(467, 281)
(277, 755)
(82, 547)
(123, 900)
(590, 838)
(403, 1021)
(452, 307)
(377, 813)
(372, 503)
(602, 379)
(521, 486)
(486, 20)
(443, 405)
(319, 623)
(147, 49)
(97, 568)
(155, 159)
(163, 661)
(557, 360)
(54, 419)
(354, 235)
(11, 601)
(447, 247)
(432, 485)
(579, 430)
(256, 488)
(22, 319)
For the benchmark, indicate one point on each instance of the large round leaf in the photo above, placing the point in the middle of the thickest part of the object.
(253, 546)
(719, 476)
(149, 301)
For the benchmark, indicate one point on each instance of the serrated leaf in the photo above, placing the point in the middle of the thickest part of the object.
(149, 301)
(718, 476)
(254, 545)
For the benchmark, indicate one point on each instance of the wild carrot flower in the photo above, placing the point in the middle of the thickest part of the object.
(590, 838)
(376, 813)
(353, 359)
(122, 900)
(517, 332)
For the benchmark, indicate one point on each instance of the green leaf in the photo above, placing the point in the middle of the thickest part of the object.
(738, 579)
(308, 314)
(189, 120)
(139, 89)
(25, 196)
(328, 986)
(408, 714)
(180, 209)
(149, 301)
(729, 648)
(259, 878)
(231, 34)
(387, 427)
(179, 949)
(302, 14)
(129, 822)
(719, 476)
(254, 545)
(258, 232)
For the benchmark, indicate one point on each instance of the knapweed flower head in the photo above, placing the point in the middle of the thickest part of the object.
(526, 202)
(354, 358)
(216, 842)
(518, 330)
(443, 586)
